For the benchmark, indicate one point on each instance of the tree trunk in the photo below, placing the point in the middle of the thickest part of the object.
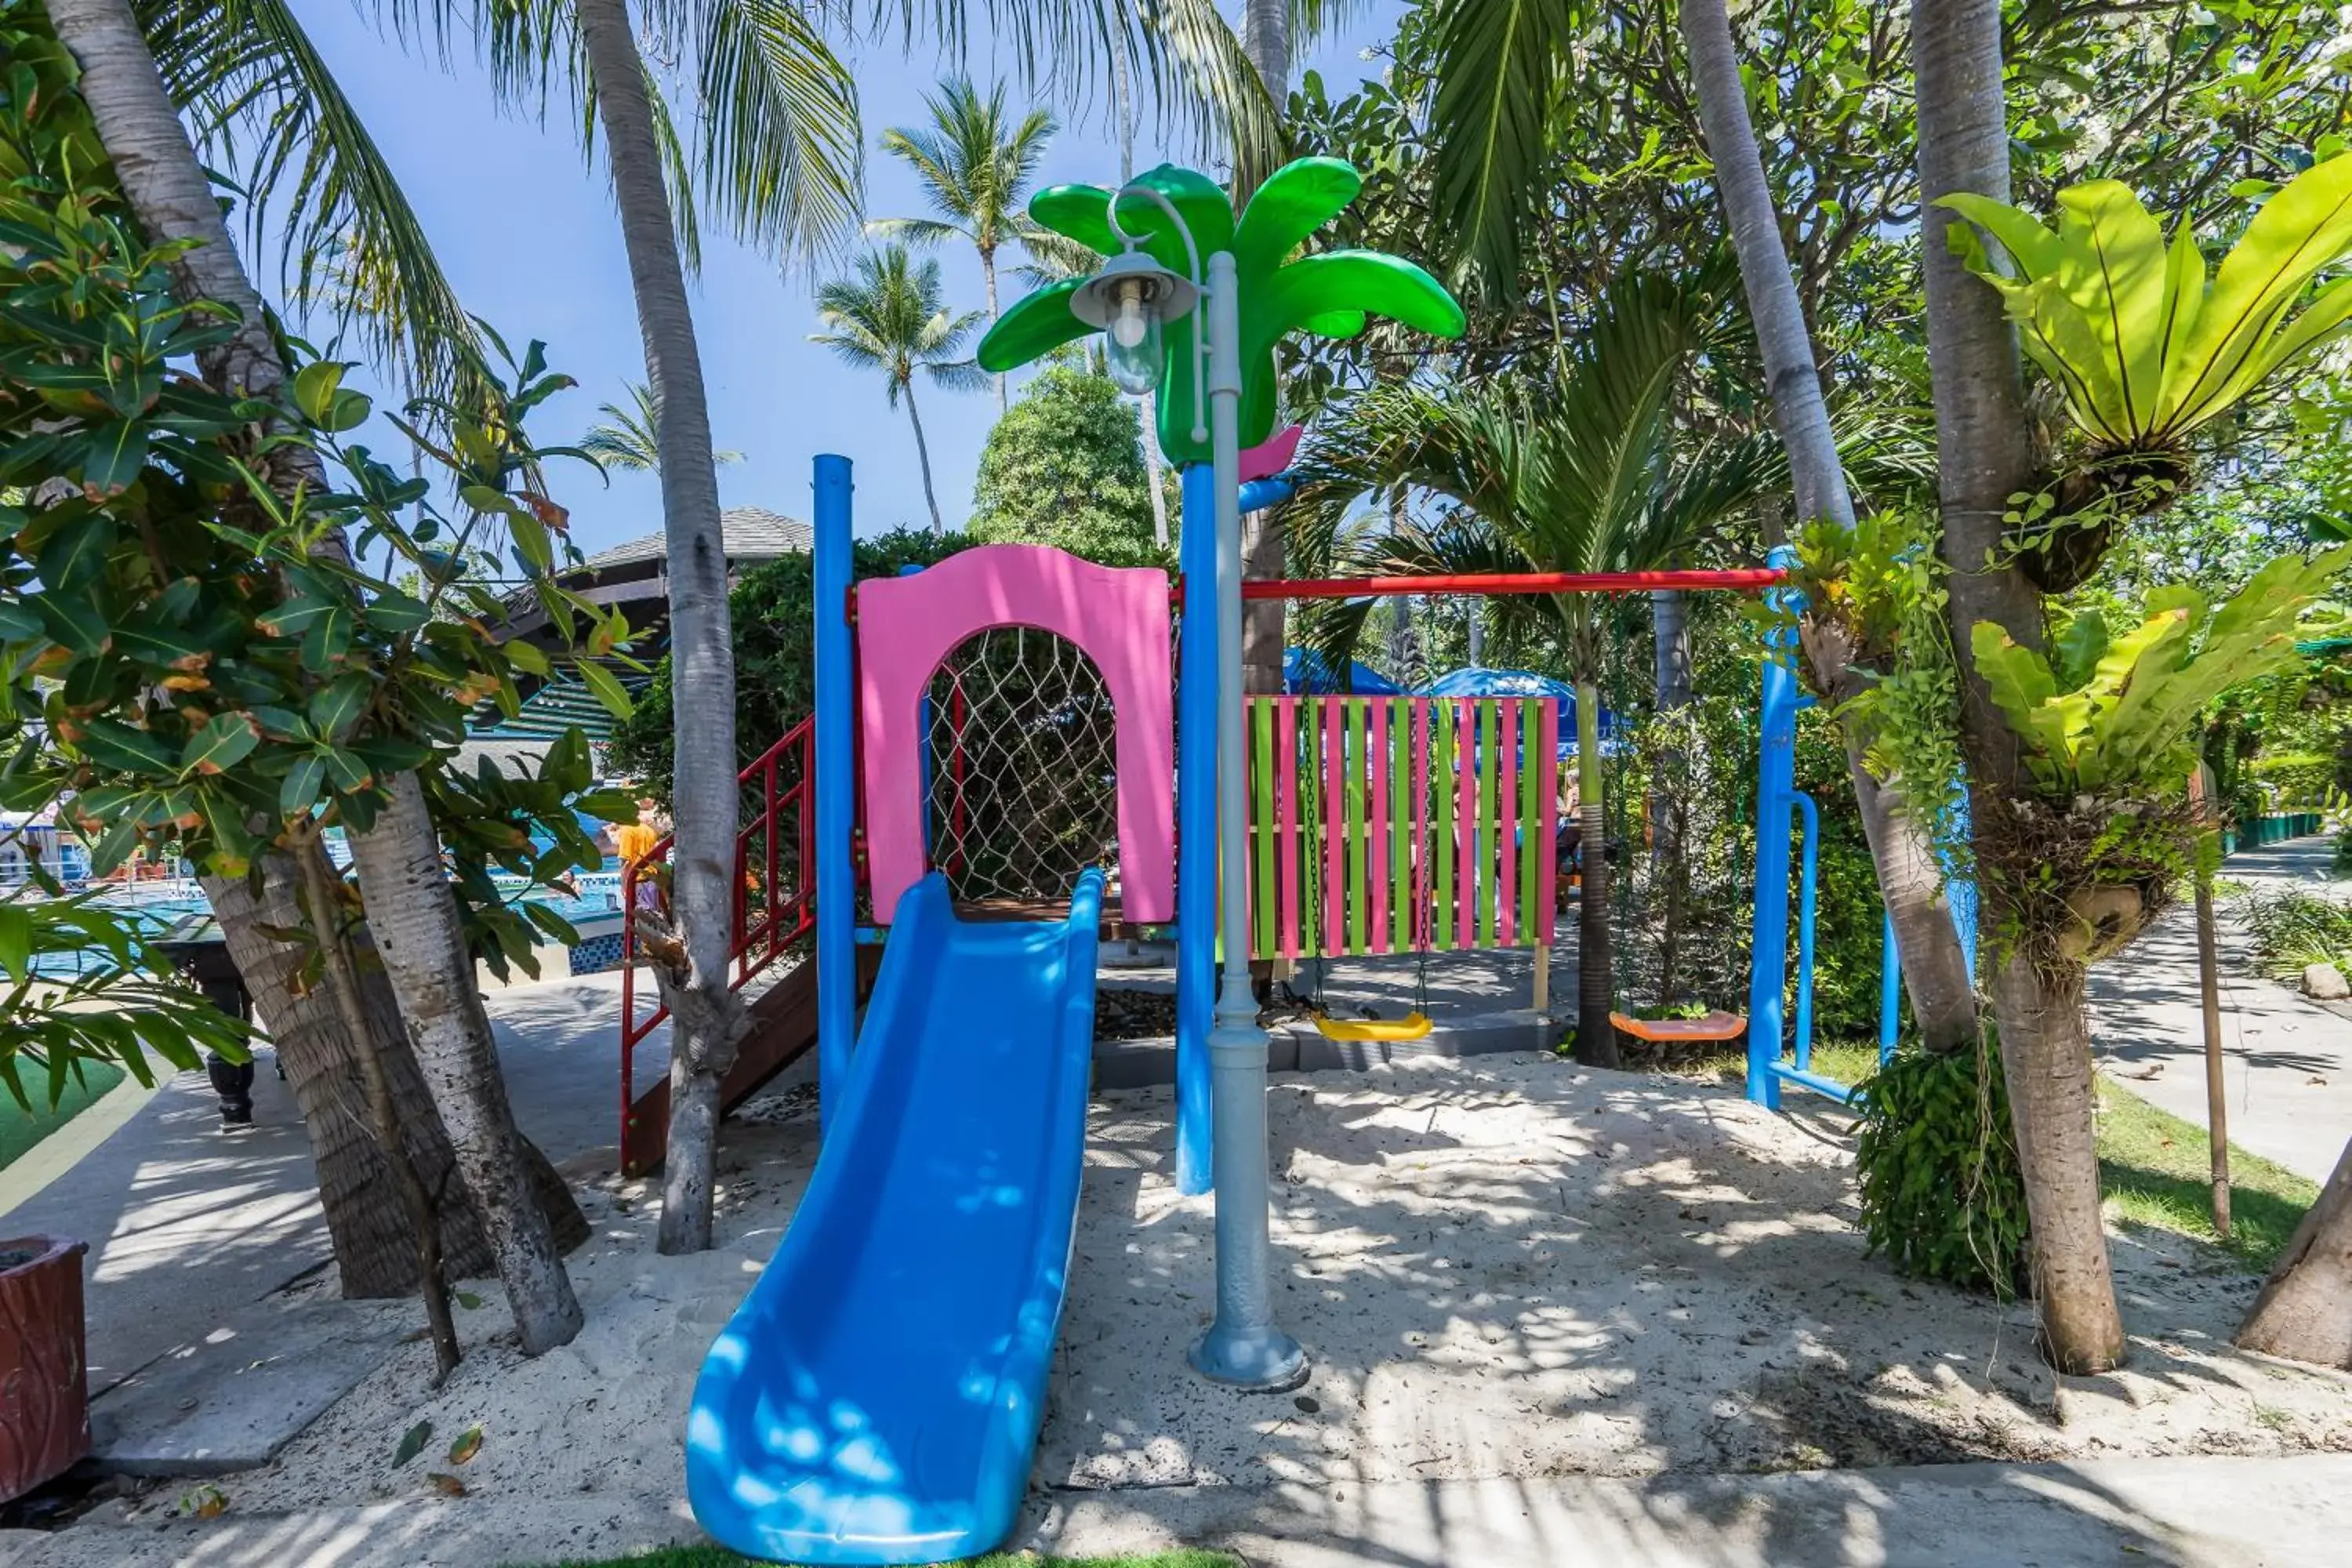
(413, 914)
(375, 1244)
(2305, 1312)
(1596, 1037)
(1984, 455)
(1670, 632)
(703, 790)
(170, 199)
(1265, 41)
(327, 925)
(988, 278)
(923, 456)
(1935, 969)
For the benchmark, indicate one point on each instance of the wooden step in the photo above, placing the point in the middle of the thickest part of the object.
(783, 1030)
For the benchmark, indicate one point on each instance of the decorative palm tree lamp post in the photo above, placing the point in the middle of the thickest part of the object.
(1176, 255)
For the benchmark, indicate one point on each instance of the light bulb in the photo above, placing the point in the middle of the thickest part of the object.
(1128, 323)
(1133, 353)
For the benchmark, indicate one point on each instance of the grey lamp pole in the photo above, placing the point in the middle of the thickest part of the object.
(1242, 1347)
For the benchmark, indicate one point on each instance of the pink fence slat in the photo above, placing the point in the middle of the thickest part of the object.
(1547, 798)
(1466, 823)
(1422, 894)
(1334, 830)
(1376, 756)
(1507, 846)
(1285, 775)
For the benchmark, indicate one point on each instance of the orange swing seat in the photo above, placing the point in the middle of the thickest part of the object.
(1715, 1025)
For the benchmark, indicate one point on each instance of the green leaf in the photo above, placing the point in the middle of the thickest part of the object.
(111, 743)
(315, 385)
(17, 939)
(75, 556)
(413, 1441)
(527, 657)
(112, 456)
(225, 740)
(606, 689)
(336, 707)
(300, 792)
(397, 612)
(75, 623)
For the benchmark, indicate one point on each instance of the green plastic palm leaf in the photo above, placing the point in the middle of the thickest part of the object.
(2144, 345)
(1332, 294)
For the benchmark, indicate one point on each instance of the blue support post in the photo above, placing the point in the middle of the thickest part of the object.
(1808, 890)
(1890, 988)
(1776, 784)
(836, 751)
(1196, 831)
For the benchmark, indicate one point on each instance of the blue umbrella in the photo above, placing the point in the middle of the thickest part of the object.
(1478, 680)
(1304, 674)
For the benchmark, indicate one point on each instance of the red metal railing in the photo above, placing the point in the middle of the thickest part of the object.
(775, 877)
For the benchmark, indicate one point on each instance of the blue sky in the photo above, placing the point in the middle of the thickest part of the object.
(528, 235)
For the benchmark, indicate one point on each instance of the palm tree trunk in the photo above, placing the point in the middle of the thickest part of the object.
(709, 1019)
(1934, 970)
(171, 199)
(1596, 1037)
(1266, 40)
(988, 278)
(384, 1115)
(1983, 457)
(923, 455)
(423, 944)
(2305, 1312)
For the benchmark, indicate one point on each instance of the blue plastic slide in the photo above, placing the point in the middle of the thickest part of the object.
(877, 1396)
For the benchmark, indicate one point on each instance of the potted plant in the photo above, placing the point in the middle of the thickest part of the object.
(44, 1394)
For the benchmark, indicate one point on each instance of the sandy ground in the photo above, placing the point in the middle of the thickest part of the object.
(1505, 1268)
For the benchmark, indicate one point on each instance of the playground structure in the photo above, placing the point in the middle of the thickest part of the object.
(877, 1396)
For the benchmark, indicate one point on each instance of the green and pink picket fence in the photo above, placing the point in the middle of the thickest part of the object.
(1382, 825)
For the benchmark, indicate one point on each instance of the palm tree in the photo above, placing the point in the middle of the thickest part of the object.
(1934, 970)
(1574, 473)
(976, 171)
(889, 318)
(630, 438)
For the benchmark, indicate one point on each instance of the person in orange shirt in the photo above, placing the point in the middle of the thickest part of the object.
(634, 842)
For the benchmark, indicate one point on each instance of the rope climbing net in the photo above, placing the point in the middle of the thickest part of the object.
(1022, 766)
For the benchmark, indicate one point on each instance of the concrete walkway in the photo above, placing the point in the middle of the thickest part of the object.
(189, 1227)
(2210, 1512)
(2289, 1074)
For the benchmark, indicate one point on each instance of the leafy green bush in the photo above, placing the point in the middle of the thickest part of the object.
(2342, 865)
(2292, 929)
(1941, 1194)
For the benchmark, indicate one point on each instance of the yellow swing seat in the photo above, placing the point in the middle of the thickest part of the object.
(1414, 1025)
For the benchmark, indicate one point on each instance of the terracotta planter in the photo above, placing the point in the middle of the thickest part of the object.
(44, 1394)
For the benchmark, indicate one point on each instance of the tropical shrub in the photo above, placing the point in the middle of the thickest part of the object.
(2292, 929)
(1941, 1194)
(2143, 347)
(1063, 467)
(2108, 738)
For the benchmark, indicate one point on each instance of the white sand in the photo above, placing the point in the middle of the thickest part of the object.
(1505, 1268)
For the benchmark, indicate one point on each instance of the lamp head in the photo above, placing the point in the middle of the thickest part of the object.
(1131, 299)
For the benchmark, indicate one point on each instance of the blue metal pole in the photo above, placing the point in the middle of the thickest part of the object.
(1775, 783)
(836, 885)
(1808, 890)
(1890, 988)
(1196, 831)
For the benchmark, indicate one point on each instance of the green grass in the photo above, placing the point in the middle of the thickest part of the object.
(2156, 1170)
(2153, 1166)
(714, 1557)
(20, 1129)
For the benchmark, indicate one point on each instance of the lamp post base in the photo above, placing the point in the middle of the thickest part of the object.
(1256, 1361)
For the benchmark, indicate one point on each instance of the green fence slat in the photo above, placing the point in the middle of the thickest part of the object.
(1441, 826)
(1532, 805)
(1359, 884)
(1489, 747)
(1267, 900)
(1311, 829)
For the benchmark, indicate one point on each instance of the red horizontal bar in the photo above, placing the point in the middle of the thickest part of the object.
(1744, 578)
